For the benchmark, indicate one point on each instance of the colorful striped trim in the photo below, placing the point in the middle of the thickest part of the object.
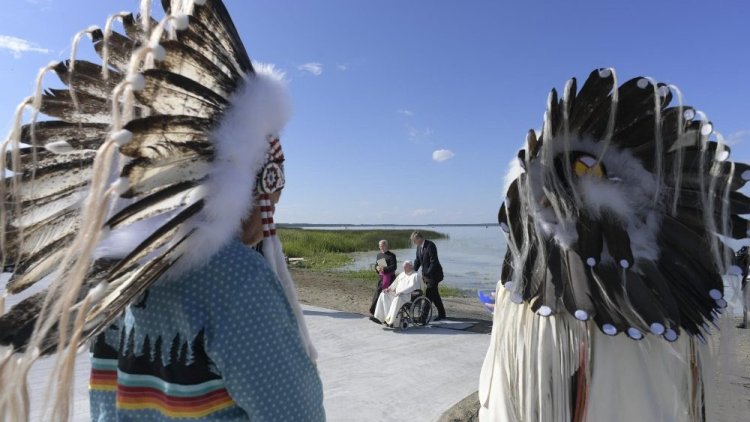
(185, 407)
(103, 380)
(146, 392)
(177, 390)
(103, 375)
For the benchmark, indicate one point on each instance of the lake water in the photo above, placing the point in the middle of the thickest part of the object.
(471, 257)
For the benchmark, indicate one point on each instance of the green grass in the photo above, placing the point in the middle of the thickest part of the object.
(312, 244)
(446, 291)
(367, 276)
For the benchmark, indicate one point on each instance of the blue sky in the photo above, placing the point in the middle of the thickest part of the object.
(379, 86)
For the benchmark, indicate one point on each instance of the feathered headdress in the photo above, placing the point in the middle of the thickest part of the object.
(618, 211)
(616, 217)
(149, 163)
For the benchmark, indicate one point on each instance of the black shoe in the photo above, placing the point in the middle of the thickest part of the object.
(440, 318)
(741, 326)
(375, 320)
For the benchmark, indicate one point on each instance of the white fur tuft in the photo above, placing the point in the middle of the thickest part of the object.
(515, 169)
(259, 109)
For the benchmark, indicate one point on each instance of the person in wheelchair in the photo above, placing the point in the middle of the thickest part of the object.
(393, 298)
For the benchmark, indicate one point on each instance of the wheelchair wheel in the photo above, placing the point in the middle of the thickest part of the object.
(404, 316)
(421, 311)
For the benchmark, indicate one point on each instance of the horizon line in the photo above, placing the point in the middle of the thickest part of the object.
(387, 224)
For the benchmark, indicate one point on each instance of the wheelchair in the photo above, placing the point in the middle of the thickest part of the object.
(416, 312)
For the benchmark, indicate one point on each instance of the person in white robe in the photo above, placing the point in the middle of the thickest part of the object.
(396, 295)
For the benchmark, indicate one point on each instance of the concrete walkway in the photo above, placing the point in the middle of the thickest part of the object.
(369, 373)
(374, 374)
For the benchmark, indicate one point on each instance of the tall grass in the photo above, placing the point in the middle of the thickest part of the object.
(302, 243)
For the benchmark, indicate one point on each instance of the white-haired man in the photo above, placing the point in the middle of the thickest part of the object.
(396, 295)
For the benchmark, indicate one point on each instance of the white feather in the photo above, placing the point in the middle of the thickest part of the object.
(120, 242)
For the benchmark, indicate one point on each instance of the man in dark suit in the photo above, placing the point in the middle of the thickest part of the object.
(432, 271)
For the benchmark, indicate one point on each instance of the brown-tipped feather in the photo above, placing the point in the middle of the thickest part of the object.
(58, 103)
(87, 78)
(162, 201)
(153, 133)
(169, 93)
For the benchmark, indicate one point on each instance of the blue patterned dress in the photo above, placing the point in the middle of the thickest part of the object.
(219, 344)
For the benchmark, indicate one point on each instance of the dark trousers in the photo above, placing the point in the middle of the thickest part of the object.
(433, 294)
(375, 297)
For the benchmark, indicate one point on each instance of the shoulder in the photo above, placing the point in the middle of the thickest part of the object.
(237, 255)
(234, 264)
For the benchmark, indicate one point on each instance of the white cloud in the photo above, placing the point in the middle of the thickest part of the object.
(17, 46)
(442, 155)
(421, 212)
(313, 67)
(405, 112)
(416, 134)
(342, 67)
(44, 4)
(737, 137)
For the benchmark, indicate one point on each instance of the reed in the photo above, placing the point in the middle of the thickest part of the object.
(303, 243)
